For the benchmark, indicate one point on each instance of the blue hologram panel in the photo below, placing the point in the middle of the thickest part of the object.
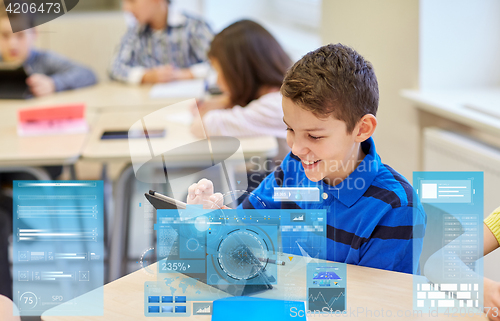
(58, 247)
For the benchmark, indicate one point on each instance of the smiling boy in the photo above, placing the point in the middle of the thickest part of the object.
(330, 101)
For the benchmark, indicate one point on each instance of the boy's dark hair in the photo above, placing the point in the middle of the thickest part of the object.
(333, 80)
(250, 57)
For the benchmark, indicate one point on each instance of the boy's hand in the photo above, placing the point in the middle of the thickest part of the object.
(204, 106)
(165, 74)
(492, 299)
(218, 102)
(203, 193)
(41, 85)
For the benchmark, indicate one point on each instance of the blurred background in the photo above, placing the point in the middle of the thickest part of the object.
(436, 62)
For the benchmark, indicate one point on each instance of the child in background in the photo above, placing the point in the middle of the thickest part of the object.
(164, 45)
(454, 256)
(6, 310)
(49, 72)
(250, 65)
(491, 243)
(330, 100)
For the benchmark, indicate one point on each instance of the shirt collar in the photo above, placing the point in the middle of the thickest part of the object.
(350, 190)
(175, 19)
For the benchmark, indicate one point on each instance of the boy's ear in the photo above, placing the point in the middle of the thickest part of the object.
(365, 127)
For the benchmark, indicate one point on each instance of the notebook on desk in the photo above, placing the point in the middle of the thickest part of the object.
(13, 82)
(192, 88)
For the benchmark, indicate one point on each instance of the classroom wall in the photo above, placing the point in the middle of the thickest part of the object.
(89, 38)
(221, 13)
(92, 37)
(278, 17)
(386, 33)
(460, 42)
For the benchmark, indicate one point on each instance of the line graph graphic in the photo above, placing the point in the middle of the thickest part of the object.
(202, 308)
(332, 299)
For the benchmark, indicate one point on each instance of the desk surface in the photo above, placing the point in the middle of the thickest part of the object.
(38, 150)
(177, 134)
(66, 149)
(103, 96)
(479, 108)
(367, 288)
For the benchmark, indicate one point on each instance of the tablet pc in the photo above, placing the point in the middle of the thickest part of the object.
(13, 82)
(125, 134)
(162, 202)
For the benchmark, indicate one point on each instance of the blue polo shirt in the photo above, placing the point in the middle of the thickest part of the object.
(373, 217)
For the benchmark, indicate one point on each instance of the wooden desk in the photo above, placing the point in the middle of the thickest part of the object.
(103, 96)
(367, 289)
(26, 154)
(177, 134)
(37, 150)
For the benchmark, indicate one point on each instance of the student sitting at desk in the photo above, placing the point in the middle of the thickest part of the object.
(163, 45)
(49, 72)
(492, 242)
(433, 269)
(7, 309)
(250, 67)
(330, 99)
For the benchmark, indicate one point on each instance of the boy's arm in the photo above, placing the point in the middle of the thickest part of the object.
(262, 196)
(8, 310)
(65, 73)
(396, 247)
(123, 66)
(202, 193)
(255, 119)
(492, 231)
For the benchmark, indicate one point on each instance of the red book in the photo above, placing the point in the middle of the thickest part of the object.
(73, 111)
(54, 120)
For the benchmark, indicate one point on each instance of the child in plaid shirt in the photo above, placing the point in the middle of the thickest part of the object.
(163, 45)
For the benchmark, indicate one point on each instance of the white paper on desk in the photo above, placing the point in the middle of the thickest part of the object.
(52, 127)
(194, 88)
(184, 118)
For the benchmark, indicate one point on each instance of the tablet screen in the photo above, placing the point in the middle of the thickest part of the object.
(124, 134)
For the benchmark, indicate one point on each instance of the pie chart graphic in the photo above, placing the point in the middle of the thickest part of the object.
(240, 254)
